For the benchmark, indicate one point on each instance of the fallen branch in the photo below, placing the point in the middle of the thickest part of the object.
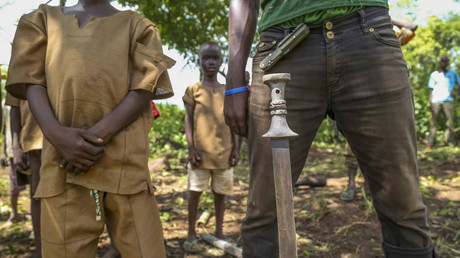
(204, 218)
(221, 244)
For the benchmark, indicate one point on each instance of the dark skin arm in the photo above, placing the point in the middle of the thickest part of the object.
(193, 155)
(19, 158)
(73, 144)
(129, 109)
(242, 27)
(234, 156)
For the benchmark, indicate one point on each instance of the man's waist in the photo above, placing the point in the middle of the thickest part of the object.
(339, 23)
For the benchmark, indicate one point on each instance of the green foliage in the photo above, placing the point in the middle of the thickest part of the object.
(166, 216)
(439, 37)
(206, 201)
(326, 133)
(167, 135)
(440, 153)
(184, 25)
(4, 76)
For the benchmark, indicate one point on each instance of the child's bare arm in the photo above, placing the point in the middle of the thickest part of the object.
(19, 158)
(129, 109)
(193, 155)
(75, 145)
(235, 155)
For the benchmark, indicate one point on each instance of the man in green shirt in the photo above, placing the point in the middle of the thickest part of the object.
(351, 68)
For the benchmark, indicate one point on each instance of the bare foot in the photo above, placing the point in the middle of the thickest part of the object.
(112, 252)
(11, 220)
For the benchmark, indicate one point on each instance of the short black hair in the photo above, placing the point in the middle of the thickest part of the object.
(208, 43)
(445, 58)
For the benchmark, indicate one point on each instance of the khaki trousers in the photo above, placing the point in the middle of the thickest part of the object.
(70, 228)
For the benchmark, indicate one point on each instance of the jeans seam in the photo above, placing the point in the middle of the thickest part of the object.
(363, 24)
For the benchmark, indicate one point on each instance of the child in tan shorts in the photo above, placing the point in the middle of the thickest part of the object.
(211, 152)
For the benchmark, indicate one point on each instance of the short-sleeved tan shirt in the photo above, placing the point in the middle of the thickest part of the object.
(31, 137)
(211, 136)
(87, 72)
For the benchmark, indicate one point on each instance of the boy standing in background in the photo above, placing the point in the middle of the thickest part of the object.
(27, 144)
(211, 154)
(8, 161)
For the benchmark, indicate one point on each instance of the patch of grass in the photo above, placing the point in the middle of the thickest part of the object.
(4, 187)
(439, 153)
(316, 208)
(206, 201)
(166, 216)
(344, 229)
(451, 210)
(446, 249)
(367, 205)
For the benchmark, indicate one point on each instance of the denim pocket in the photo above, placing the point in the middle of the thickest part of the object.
(381, 29)
(386, 36)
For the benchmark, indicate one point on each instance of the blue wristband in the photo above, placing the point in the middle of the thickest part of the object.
(237, 90)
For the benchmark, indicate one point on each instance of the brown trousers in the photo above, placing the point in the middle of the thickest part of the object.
(70, 228)
(449, 112)
(354, 72)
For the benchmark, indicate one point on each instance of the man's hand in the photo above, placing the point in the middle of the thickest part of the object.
(193, 157)
(77, 148)
(20, 159)
(235, 111)
(234, 158)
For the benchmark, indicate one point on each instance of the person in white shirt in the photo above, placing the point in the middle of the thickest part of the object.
(441, 84)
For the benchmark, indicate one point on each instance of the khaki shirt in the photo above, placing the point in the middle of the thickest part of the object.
(31, 137)
(87, 72)
(211, 136)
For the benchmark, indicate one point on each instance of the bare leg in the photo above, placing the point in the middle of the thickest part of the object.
(219, 206)
(113, 251)
(352, 171)
(192, 214)
(352, 165)
(35, 163)
(14, 210)
(350, 193)
(14, 195)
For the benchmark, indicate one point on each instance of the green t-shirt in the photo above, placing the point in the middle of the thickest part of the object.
(292, 12)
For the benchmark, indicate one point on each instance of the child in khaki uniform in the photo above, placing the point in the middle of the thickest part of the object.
(16, 185)
(209, 139)
(27, 142)
(89, 72)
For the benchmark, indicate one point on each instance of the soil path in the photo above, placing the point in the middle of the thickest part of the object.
(326, 225)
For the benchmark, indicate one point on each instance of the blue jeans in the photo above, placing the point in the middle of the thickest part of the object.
(355, 73)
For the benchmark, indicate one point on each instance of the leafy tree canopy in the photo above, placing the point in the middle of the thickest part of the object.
(184, 25)
(437, 38)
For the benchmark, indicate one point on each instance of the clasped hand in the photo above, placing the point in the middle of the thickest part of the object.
(80, 149)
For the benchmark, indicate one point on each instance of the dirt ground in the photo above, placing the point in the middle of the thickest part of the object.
(326, 226)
